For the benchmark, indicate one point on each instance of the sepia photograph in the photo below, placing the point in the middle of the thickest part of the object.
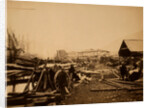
(68, 54)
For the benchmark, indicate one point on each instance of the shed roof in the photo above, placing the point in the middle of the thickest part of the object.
(134, 45)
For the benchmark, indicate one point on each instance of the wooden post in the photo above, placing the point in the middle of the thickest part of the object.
(45, 81)
(28, 83)
(39, 81)
(14, 85)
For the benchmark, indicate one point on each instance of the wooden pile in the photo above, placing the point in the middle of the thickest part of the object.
(117, 84)
(39, 89)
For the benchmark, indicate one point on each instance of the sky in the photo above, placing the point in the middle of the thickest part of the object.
(48, 27)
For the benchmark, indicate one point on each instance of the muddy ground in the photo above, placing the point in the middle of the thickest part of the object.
(83, 95)
(97, 91)
(102, 87)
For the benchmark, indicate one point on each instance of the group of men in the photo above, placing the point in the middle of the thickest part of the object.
(133, 73)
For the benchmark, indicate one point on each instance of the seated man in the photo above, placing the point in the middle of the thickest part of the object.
(135, 73)
(72, 73)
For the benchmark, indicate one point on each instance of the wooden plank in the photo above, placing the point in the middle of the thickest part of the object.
(128, 82)
(116, 74)
(16, 100)
(14, 71)
(28, 83)
(18, 73)
(43, 100)
(89, 72)
(50, 81)
(41, 76)
(39, 81)
(104, 89)
(124, 86)
(17, 67)
(107, 85)
(112, 84)
(45, 81)
(18, 81)
(43, 94)
(16, 94)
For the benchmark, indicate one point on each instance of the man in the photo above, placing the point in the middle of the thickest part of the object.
(72, 73)
(123, 71)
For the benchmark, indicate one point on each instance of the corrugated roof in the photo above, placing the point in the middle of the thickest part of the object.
(134, 45)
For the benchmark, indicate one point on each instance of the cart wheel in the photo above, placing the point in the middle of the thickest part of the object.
(61, 80)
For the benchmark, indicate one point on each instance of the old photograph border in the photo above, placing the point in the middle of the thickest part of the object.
(103, 105)
(2, 52)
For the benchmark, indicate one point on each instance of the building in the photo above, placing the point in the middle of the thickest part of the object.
(72, 54)
(87, 53)
(92, 52)
(61, 55)
(131, 48)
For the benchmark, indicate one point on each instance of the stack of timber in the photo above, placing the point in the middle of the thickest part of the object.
(30, 99)
(16, 73)
(39, 89)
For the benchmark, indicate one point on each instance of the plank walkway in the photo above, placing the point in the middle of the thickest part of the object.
(116, 84)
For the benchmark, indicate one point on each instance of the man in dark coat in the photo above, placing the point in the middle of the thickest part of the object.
(123, 71)
(73, 74)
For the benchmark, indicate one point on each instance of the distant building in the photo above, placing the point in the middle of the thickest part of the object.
(61, 55)
(72, 54)
(131, 48)
(92, 52)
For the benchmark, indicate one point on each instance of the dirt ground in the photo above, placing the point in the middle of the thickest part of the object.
(84, 93)
(95, 90)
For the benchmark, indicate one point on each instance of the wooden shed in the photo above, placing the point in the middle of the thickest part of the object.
(131, 47)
